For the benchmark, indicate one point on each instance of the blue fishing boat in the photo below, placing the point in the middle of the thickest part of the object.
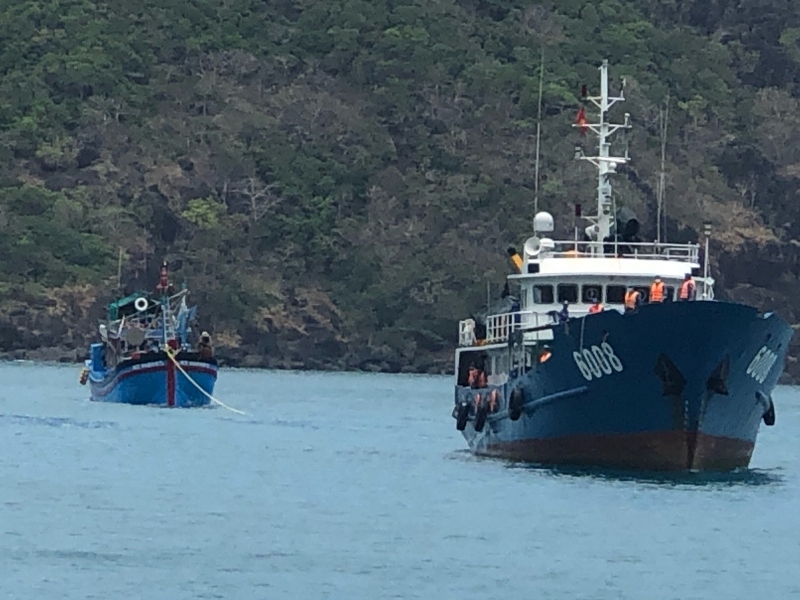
(612, 351)
(146, 354)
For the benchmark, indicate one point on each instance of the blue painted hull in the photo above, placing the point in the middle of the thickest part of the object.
(154, 379)
(676, 386)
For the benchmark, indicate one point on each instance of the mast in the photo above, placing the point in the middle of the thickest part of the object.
(605, 163)
(538, 136)
(663, 118)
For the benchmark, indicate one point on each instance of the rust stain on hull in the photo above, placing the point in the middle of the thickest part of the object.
(653, 451)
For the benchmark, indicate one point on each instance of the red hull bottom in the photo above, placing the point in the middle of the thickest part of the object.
(653, 451)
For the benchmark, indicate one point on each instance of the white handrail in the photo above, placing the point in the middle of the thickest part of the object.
(635, 250)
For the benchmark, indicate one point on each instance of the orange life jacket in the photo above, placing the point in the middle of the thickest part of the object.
(596, 308)
(657, 291)
(630, 299)
(687, 287)
(517, 260)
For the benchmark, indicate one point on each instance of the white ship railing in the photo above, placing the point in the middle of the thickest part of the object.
(499, 327)
(639, 250)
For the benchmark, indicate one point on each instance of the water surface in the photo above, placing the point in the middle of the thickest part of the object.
(354, 486)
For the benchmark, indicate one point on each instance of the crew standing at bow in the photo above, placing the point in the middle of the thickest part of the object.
(204, 346)
(632, 300)
(688, 289)
(596, 307)
(657, 290)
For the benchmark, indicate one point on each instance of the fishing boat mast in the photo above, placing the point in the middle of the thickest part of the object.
(605, 163)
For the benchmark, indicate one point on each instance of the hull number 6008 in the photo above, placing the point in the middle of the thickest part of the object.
(761, 364)
(595, 362)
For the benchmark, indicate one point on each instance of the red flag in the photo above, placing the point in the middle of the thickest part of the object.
(581, 120)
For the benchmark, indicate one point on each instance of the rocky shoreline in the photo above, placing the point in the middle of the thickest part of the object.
(242, 360)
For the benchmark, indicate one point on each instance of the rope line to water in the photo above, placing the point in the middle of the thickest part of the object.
(171, 355)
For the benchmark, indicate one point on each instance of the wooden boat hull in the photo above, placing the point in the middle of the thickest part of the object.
(154, 378)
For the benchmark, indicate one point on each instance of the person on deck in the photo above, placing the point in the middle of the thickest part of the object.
(164, 286)
(657, 290)
(596, 306)
(204, 346)
(688, 289)
(545, 354)
(516, 259)
(472, 377)
(633, 299)
(563, 314)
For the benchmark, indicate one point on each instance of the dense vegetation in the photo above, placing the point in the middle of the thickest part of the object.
(339, 179)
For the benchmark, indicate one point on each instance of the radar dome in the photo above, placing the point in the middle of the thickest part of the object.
(543, 222)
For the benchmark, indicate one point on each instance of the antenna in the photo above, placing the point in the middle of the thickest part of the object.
(606, 164)
(707, 234)
(119, 271)
(663, 118)
(538, 137)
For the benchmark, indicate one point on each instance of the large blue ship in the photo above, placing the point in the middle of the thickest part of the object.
(589, 367)
(146, 356)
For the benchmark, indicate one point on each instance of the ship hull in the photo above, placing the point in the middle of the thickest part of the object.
(677, 386)
(155, 379)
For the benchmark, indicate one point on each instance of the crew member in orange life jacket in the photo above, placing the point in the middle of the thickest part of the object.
(476, 378)
(657, 290)
(688, 289)
(516, 259)
(596, 306)
(633, 300)
(472, 378)
(545, 354)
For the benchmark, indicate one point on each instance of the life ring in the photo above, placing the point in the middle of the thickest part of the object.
(140, 304)
(515, 402)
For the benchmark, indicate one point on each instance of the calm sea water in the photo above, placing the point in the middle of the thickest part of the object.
(358, 486)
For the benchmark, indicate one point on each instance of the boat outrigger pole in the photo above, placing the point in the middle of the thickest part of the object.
(606, 164)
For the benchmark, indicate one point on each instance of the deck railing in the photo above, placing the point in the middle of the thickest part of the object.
(499, 327)
(638, 250)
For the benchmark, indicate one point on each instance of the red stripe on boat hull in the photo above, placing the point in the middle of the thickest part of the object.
(655, 451)
(170, 384)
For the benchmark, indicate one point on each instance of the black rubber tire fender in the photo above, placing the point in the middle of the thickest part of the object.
(462, 415)
(769, 415)
(515, 402)
(480, 416)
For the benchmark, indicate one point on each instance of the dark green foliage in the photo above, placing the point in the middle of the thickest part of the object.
(379, 152)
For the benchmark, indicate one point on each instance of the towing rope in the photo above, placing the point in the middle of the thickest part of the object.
(171, 354)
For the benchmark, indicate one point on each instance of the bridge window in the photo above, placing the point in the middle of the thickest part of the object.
(568, 292)
(543, 294)
(590, 292)
(615, 294)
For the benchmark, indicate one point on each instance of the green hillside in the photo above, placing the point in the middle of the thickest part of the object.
(337, 181)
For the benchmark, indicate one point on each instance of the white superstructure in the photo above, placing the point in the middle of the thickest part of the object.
(602, 265)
